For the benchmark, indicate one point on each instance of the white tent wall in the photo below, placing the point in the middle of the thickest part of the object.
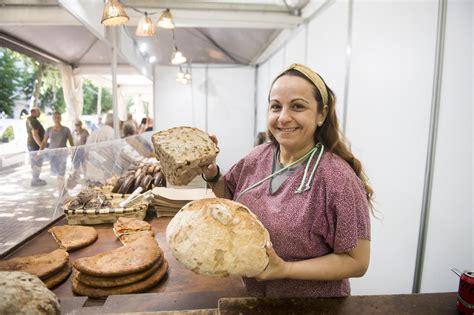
(229, 93)
(389, 103)
(450, 239)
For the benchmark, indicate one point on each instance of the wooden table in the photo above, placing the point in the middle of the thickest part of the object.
(184, 290)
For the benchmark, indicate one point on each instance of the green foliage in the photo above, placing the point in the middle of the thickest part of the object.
(17, 76)
(90, 91)
(8, 134)
(8, 81)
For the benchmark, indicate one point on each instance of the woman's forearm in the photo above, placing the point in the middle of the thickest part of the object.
(326, 268)
(219, 188)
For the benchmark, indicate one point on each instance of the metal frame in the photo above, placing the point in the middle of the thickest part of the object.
(431, 152)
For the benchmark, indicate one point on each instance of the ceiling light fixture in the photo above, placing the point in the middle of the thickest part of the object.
(177, 58)
(166, 20)
(152, 59)
(114, 14)
(145, 26)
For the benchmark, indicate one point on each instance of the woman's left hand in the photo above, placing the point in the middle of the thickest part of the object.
(277, 268)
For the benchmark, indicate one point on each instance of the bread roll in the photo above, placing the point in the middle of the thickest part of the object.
(218, 237)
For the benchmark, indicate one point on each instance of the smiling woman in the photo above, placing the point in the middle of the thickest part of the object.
(307, 189)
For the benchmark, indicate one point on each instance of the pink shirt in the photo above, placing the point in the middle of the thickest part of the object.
(329, 218)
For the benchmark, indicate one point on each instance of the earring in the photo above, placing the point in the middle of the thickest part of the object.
(320, 123)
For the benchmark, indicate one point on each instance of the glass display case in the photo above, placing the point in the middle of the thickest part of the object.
(27, 207)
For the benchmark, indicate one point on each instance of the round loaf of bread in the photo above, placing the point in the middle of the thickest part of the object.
(23, 293)
(218, 237)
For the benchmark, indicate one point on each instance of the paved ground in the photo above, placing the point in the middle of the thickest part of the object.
(25, 209)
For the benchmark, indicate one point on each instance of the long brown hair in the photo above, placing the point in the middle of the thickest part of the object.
(329, 133)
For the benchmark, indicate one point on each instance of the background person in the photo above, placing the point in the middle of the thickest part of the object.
(79, 136)
(57, 135)
(35, 132)
(317, 209)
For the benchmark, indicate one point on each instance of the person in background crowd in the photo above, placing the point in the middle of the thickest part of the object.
(98, 125)
(58, 135)
(128, 129)
(142, 126)
(149, 124)
(104, 133)
(79, 135)
(308, 190)
(35, 133)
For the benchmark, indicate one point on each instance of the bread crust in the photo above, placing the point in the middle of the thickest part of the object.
(72, 237)
(135, 257)
(140, 286)
(182, 152)
(218, 237)
(42, 265)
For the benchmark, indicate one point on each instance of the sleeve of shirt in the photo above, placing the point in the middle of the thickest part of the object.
(351, 211)
(232, 177)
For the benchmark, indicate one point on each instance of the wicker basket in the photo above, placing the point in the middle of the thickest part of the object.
(107, 214)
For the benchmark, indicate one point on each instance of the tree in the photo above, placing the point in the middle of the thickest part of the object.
(90, 91)
(8, 81)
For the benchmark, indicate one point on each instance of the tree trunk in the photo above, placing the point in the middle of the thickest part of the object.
(37, 85)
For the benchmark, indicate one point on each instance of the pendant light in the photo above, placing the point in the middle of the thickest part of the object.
(166, 20)
(145, 26)
(177, 58)
(114, 14)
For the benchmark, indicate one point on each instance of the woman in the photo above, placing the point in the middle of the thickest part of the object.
(315, 204)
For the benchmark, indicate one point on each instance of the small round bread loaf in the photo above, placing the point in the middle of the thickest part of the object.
(23, 293)
(218, 237)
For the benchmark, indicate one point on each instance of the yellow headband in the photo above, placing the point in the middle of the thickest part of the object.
(313, 77)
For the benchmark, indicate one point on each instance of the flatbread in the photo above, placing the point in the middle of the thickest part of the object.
(128, 238)
(72, 237)
(218, 237)
(135, 257)
(23, 293)
(137, 287)
(59, 277)
(42, 265)
(127, 225)
(103, 282)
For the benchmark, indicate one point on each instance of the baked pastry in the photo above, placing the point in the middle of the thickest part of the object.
(42, 265)
(131, 237)
(218, 237)
(72, 237)
(140, 286)
(108, 282)
(59, 277)
(182, 151)
(23, 293)
(135, 257)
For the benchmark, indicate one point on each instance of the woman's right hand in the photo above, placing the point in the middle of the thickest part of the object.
(210, 171)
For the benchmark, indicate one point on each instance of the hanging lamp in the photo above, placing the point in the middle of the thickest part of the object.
(145, 26)
(166, 20)
(114, 14)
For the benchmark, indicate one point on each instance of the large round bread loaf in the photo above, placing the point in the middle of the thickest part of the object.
(182, 152)
(218, 237)
(23, 293)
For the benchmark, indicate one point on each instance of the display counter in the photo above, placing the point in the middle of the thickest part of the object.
(182, 290)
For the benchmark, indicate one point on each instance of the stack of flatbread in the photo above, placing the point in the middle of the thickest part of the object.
(130, 229)
(52, 268)
(72, 237)
(132, 268)
(168, 201)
